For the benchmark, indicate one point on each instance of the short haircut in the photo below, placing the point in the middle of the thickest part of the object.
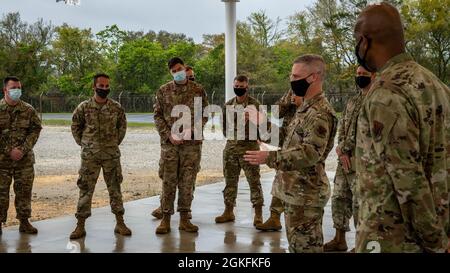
(172, 62)
(8, 79)
(241, 78)
(188, 68)
(100, 75)
(313, 60)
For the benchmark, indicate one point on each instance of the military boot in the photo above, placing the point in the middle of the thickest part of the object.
(185, 223)
(164, 226)
(157, 213)
(337, 244)
(121, 228)
(258, 216)
(26, 227)
(227, 216)
(79, 231)
(272, 224)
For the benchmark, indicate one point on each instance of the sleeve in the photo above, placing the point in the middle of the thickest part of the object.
(309, 152)
(341, 129)
(78, 123)
(389, 123)
(285, 104)
(205, 103)
(160, 123)
(33, 133)
(122, 125)
(224, 120)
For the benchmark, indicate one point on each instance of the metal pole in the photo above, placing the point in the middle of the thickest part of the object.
(40, 103)
(213, 128)
(230, 47)
(120, 97)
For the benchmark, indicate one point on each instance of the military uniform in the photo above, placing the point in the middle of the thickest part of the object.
(344, 202)
(402, 156)
(20, 127)
(99, 130)
(304, 187)
(179, 164)
(287, 112)
(233, 155)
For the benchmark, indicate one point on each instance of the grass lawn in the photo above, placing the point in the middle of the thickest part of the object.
(58, 122)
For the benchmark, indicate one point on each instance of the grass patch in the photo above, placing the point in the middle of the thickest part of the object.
(60, 122)
(56, 122)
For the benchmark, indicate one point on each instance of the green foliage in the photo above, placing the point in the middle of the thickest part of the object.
(62, 60)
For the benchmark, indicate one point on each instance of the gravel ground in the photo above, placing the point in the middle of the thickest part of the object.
(58, 158)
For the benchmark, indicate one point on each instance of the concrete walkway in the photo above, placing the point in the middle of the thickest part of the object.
(239, 236)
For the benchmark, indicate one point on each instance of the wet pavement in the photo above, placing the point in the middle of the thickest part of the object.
(238, 236)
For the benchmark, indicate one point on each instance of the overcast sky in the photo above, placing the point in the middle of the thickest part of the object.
(191, 17)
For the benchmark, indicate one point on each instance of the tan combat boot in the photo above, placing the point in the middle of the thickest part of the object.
(227, 216)
(185, 223)
(26, 227)
(79, 231)
(258, 216)
(121, 228)
(337, 244)
(272, 224)
(164, 226)
(157, 213)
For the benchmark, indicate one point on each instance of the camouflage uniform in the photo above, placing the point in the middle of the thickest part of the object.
(287, 112)
(304, 187)
(179, 164)
(99, 130)
(233, 157)
(343, 201)
(402, 161)
(20, 127)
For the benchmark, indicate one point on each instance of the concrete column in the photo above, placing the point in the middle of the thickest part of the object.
(230, 47)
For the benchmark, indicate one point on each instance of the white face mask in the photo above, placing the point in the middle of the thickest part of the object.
(15, 94)
(179, 76)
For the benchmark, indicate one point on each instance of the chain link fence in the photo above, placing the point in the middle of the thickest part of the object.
(143, 103)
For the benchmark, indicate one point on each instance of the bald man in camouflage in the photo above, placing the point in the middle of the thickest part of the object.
(402, 143)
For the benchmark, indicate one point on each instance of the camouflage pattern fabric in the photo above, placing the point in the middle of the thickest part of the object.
(402, 156)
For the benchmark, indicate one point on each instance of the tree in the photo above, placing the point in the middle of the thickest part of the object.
(24, 51)
(428, 34)
(265, 31)
(77, 58)
(142, 66)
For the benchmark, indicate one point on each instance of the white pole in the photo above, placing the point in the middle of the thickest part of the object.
(230, 47)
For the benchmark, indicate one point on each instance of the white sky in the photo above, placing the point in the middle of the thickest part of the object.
(191, 17)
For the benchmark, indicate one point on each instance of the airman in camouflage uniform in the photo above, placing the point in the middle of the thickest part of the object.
(287, 108)
(180, 155)
(402, 150)
(304, 187)
(233, 154)
(157, 213)
(99, 126)
(20, 127)
(344, 203)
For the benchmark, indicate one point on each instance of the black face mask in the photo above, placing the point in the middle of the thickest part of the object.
(102, 93)
(240, 91)
(362, 81)
(300, 87)
(362, 60)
